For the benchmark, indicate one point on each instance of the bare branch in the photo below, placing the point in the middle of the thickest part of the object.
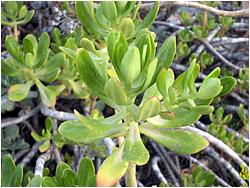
(209, 38)
(8, 122)
(228, 40)
(213, 154)
(40, 163)
(219, 144)
(242, 13)
(63, 116)
(20, 153)
(215, 52)
(169, 170)
(218, 179)
(239, 98)
(157, 170)
(31, 153)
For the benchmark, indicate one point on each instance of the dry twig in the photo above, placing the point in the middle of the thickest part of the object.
(219, 144)
(157, 170)
(8, 122)
(217, 158)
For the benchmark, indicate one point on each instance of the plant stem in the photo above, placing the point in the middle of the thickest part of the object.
(15, 32)
(131, 175)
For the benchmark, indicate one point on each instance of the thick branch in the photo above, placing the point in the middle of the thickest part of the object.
(219, 144)
(40, 163)
(242, 13)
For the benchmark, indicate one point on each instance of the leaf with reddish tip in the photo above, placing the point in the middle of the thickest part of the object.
(112, 169)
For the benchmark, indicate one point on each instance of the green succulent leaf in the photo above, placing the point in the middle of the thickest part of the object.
(114, 90)
(49, 182)
(151, 107)
(86, 130)
(130, 65)
(88, 45)
(177, 140)
(50, 70)
(27, 18)
(109, 11)
(16, 177)
(112, 169)
(7, 170)
(42, 51)
(134, 150)
(166, 54)
(69, 178)
(210, 88)
(30, 44)
(165, 80)
(177, 117)
(48, 97)
(36, 181)
(127, 27)
(59, 172)
(22, 12)
(228, 84)
(85, 12)
(9, 67)
(89, 73)
(19, 92)
(86, 173)
(14, 49)
(149, 19)
(57, 89)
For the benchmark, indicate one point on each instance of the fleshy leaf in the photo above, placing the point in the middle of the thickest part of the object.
(19, 92)
(130, 65)
(112, 169)
(134, 150)
(166, 53)
(50, 71)
(114, 90)
(89, 73)
(48, 97)
(210, 88)
(177, 140)
(165, 80)
(151, 107)
(8, 167)
(228, 84)
(86, 130)
(178, 117)
(42, 50)
(16, 177)
(86, 173)
(109, 11)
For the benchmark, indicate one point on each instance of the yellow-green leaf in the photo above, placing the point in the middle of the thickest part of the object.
(177, 140)
(112, 169)
(134, 150)
(19, 92)
(151, 107)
